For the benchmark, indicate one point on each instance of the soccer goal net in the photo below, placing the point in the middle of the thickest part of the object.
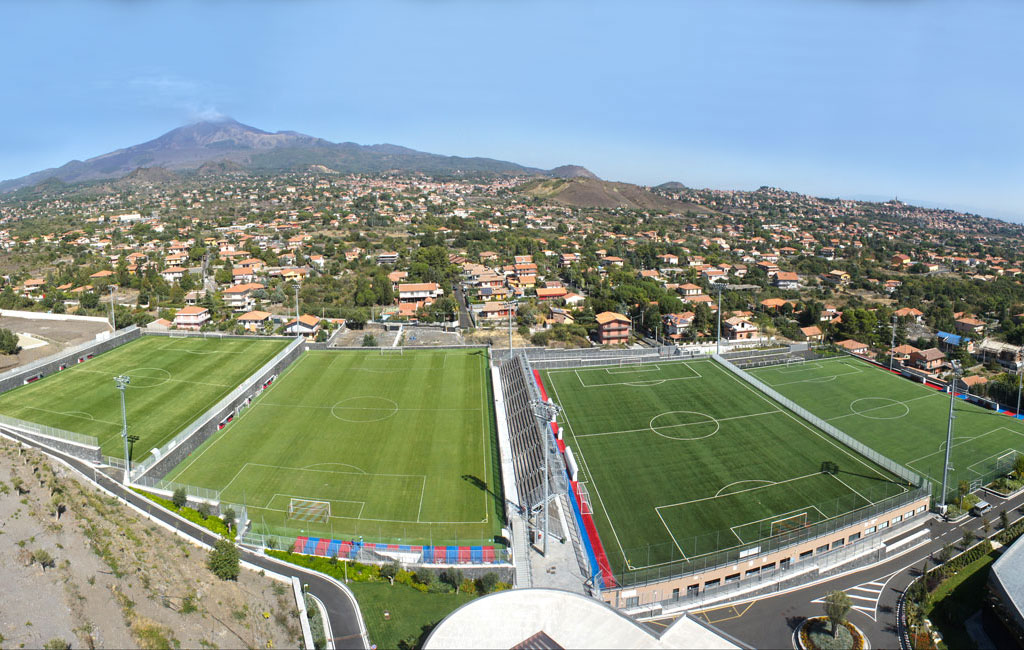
(394, 350)
(179, 335)
(309, 510)
(1005, 463)
(796, 361)
(789, 524)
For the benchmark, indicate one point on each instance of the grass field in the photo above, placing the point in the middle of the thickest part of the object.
(901, 419)
(173, 381)
(682, 459)
(402, 447)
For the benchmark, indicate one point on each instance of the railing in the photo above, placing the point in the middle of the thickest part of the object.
(205, 494)
(831, 430)
(140, 468)
(53, 432)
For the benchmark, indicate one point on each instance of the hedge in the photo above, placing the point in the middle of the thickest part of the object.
(212, 523)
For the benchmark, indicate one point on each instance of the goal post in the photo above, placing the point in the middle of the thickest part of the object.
(393, 350)
(789, 524)
(1005, 462)
(309, 510)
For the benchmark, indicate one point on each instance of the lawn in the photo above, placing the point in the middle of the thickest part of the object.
(173, 382)
(400, 448)
(683, 459)
(902, 419)
(412, 613)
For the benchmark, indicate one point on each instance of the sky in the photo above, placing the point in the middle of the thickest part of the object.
(874, 99)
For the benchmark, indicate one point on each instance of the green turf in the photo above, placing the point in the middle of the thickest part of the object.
(901, 419)
(173, 381)
(683, 459)
(403, 448)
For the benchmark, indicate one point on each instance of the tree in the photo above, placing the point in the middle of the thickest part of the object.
(43, 558)
(453, 577)
(179, 498)
(369, 341)
(1004, 520)
(946, 553)
(8, 342)
(487, 582)
(229, 518)
(837, 606)
(389, 571)
(962, 489)
(223, 560)
(1018, 466)
(985, 526)
(968, 538)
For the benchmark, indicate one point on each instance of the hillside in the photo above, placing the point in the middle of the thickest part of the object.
(584, 192)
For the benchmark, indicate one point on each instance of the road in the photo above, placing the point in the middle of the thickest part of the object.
(465, 322)
(875, 590)
(342, 610)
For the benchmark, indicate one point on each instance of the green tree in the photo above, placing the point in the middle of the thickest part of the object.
(389, 571)
(224, 560)
(1004, 520)
(229, 518)
(837, 606)
(369, 341)
(179, 498)
(43, 558)
(8, 342)
(968, 538)
(453, 577)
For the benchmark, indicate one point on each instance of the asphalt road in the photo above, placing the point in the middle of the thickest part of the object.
(465, 322)
(342, 610)
(769, 622)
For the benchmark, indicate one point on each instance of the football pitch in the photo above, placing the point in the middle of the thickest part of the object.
(684, 459)
(381, 446)
(902, 419)
(173, 381)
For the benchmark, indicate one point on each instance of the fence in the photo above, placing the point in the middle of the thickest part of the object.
(185, 334)
(195, 427)
(52, 432)
(843, 512)
(150, 483)
(831, 430)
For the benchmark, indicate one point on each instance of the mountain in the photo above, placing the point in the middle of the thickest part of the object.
(571, 171)
(585, 192)
(224, 146)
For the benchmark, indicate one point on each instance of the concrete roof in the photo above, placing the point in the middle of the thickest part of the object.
(1009, 571)
(507, 618)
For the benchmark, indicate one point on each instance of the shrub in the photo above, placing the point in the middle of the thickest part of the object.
(213, 524)
(224, 561)
(486, 583)
(180, 498)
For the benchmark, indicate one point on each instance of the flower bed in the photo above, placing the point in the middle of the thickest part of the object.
(816, 634)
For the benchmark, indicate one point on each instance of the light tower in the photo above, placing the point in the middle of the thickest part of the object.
(718, 337)
(892, 345)
(122, 382)
(949, 432)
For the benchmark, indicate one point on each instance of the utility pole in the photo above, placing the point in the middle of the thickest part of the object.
(718, 337)
(296, 308)
(122, 382)
(892, 345)
(1020, 378)
(949, 433)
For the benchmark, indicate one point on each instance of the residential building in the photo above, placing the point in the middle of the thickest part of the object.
(612, 328)
(191, 318)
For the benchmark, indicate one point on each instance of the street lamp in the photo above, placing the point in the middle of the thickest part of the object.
(892, 345)
(718, 338)
(113, 325)
(122, 382)
(949, 432)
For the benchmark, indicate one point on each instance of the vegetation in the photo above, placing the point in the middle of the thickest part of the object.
(224, 560)
(213, 524)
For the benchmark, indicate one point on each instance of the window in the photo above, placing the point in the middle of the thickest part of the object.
(909, 515)
(838, 543)
(753, 572)
(675, 594)
(693, 590)
(711, 584)
(884, 524)
(733, 578)
(897, 520)
(806, 554)
(854, 537)
(868, 531)
(921, 508)
(633, 601)
(769, 567)
(822, 549)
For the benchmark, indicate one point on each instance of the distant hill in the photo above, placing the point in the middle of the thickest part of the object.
(582, 192)
(227, 146)
(572, 171)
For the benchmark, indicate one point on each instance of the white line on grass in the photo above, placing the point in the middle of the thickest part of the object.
(848, 487)
(672, 426)
(669, 531)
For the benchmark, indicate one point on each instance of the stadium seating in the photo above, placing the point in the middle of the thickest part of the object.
(321, 547)
(300, 544)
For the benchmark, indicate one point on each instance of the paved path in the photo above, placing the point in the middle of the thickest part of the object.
(769, 622)
(342, 609)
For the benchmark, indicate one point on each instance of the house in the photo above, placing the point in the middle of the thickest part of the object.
(173, 273)
(421, 291)
(551, 293)
(101, 275)
(969, 325)
(159, 325)
(900, 260)
(738, 329)
(677, 324)
(387, 257)
(787, 280)
(915, 315)
(853, 347)
(929, 360)
(239, 296)
(191, 318)
(902, 353)
(396, 277)
(967, 383)
(949, 342)
(836, 278)
(307, 325)
(812, 333)
(496, 310)
(243, 275)
(775, 304)
(689, 289)
(669, 259)
(612, 328)
(1007, 355)
(254, 321)
(712, 275)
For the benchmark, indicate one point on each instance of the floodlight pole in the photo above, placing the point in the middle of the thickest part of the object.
(1020, 379)
(113, 325)
(892, 346)
(296, 308)
(949, 431)
(718, 337)
(122, 382)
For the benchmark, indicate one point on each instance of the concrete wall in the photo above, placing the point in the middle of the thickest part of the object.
(213, 418)
(13, 313)
(90, 453)
(51, 364)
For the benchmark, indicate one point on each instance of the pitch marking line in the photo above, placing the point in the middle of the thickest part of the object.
(963, 440)
(362, 504)
(751, 489)
(671, 426)
(848, 487)
(775, 518)
(891, 402)
(669, 531)
(997, 456)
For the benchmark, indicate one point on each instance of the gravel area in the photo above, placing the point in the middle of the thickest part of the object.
(58, 334)
(116, 580)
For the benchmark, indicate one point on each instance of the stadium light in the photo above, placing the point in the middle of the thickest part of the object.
(1020, 379)
(949, 432)
(718, 338)
(113, 324)
(122, 382)
(892, 345)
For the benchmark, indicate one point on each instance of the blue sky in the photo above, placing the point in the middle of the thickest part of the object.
(862, 99)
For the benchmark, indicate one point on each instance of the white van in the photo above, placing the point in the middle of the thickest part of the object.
(981, 508)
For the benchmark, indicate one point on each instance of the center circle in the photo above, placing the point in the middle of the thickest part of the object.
(147, 377)
(364, 409)
(684, 425)
(877, 408)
